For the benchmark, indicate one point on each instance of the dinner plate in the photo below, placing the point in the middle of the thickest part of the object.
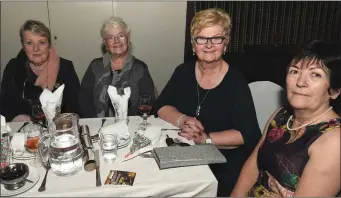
(124, 143)
(33, 176)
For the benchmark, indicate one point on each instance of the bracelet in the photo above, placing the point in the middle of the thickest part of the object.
(179, 120)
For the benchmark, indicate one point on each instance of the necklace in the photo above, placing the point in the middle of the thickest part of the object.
(309, 123)
(197, 112)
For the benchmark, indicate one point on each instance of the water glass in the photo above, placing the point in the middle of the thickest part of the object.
(33, 134)
(108, 144)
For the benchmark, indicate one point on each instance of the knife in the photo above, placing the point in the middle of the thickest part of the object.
(98, 174)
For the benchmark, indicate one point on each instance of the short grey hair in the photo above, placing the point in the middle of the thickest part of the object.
(114, 21)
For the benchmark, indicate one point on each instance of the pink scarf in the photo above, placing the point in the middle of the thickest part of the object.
(47, 77)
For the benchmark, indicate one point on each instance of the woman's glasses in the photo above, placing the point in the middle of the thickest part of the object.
(214, 40)
(112, 38)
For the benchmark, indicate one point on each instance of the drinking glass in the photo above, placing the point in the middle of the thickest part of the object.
(108, 144)
(37, 113)
(32, 137)
(145, 107)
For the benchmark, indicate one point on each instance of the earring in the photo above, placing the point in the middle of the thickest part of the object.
(224, 53)
(193, 53)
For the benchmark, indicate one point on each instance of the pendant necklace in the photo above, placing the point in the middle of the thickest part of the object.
(197, 112)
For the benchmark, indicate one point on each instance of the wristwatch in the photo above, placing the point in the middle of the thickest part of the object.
(208, 140)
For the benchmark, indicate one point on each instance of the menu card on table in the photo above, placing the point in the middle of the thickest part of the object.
(117, 177)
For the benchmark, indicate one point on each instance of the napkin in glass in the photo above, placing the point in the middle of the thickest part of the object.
(51, 102)
(119, 102)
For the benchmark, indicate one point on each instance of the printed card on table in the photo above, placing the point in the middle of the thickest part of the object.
(117, 177)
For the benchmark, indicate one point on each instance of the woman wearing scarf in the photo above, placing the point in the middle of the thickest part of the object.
(118, 68)
(37, 67)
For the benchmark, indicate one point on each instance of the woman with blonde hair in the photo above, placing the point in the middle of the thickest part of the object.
(209, 99)
(36, 67)
(119, 68)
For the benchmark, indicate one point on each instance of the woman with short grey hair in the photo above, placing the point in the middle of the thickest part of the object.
(119, 68)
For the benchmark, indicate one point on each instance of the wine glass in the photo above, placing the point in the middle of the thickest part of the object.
(144, 107)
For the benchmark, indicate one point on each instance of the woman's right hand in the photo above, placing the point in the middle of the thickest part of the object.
(190, 127)
(21, 118)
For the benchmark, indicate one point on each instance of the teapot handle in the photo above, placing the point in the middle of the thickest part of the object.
(43, 148)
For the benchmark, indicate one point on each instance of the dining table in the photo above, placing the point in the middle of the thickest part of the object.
(190, 181)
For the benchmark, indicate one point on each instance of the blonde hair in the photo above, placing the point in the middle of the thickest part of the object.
(114, 21)
(35, 27)
(211, 17)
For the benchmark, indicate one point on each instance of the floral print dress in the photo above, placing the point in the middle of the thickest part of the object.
(282, 157)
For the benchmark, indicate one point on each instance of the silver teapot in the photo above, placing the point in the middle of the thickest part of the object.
(61, 146)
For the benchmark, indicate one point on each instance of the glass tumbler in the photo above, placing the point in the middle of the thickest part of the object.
(108, 144)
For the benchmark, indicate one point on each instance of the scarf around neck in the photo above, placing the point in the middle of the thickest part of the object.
(48, 75)
(117, 79)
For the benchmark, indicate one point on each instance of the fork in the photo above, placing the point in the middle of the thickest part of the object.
(42, 186)
(95, 138)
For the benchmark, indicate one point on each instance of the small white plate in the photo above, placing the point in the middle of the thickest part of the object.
(124, 143)
(33, 176)
(22, 154)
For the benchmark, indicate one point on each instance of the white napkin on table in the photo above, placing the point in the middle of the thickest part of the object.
(119, 128)
(5, 128)
(120, 102)
(50, 101)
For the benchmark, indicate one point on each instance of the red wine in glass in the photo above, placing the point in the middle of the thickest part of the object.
(145, 109)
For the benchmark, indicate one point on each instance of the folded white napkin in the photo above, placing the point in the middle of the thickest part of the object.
(119, 128)
(19, 151)
(50, 101)
(4, 126)
(154, 134)
(18, 141)
(120, 102)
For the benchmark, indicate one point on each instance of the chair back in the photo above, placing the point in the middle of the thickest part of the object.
(267, 97)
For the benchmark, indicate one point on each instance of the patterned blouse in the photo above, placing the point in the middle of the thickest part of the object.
(282, 158)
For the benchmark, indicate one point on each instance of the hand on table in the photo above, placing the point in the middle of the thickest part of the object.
(192, 129)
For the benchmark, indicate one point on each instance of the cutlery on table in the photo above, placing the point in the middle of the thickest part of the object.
(26, 123)
(42, 186)
(170, 129)
(98, 174)
(30, 181)
(95, 138)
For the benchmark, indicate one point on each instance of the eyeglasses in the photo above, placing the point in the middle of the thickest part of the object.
(214, 40)
(117, 37)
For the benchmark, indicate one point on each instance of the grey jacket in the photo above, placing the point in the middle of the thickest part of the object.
(93, 96)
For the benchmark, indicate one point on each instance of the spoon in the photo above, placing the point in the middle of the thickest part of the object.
(42, 186)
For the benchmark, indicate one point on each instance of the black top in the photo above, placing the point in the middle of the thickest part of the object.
(17, 72)
(282, 159)
(227, 106)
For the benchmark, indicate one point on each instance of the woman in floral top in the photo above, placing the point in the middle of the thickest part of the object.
(299, 153)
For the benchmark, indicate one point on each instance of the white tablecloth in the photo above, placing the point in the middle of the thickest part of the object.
(149, 181)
